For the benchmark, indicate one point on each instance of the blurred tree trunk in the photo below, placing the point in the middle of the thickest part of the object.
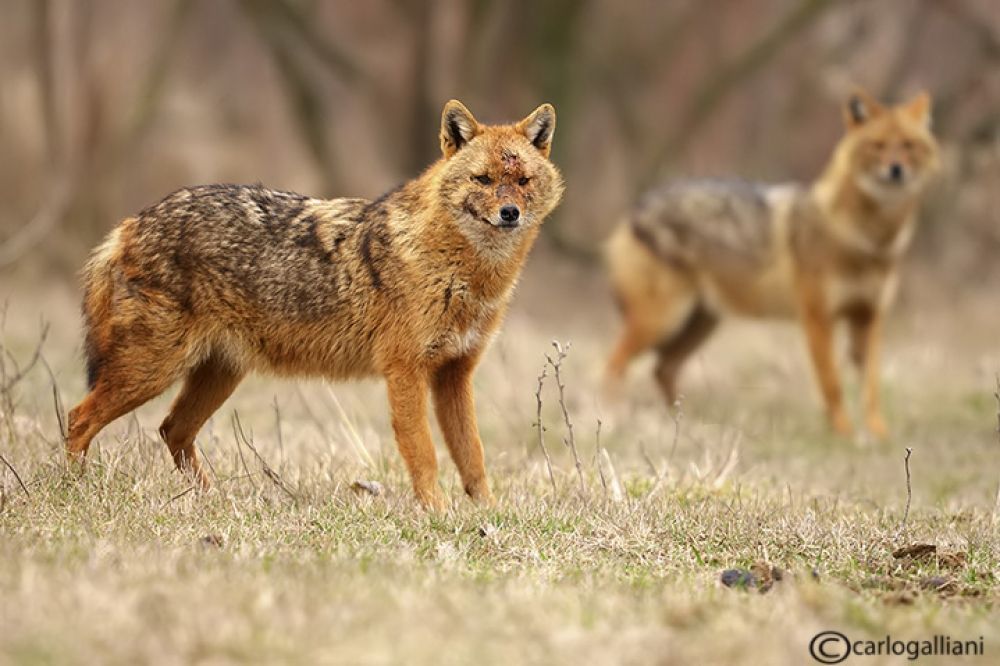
(718, 86)
(553, 59)
(308, 106)
(423, 108)
(44, 71)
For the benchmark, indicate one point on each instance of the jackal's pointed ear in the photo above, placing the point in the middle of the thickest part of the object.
(860, 108)
(539, 127)
(919, 108)
(458, 127)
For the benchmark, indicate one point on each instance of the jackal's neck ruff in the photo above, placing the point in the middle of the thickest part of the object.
(870, 190)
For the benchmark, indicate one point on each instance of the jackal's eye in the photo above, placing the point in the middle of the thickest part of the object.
(483, 179)
(523, 180)
(907, 145)
(878, 145)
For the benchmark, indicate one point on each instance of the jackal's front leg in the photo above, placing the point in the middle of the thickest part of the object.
(866, 342)
(456, 414)
(818, 325)
(408, 403)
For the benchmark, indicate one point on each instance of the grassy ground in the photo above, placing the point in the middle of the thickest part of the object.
(126, 564)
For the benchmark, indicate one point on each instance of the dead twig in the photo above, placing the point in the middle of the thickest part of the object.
(238, 433)
(57, 402)
(268, 471)
(996, 504)
(541, 428)
(647, 459)
(16, 475)
(20, 373)
(277, 428)
(178, 496)
(677, 414)
(597, 456)
(569, 440)
(909, 491)
(614, 486)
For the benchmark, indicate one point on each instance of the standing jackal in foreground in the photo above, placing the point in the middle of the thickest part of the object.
(215, 281)
(693, 252)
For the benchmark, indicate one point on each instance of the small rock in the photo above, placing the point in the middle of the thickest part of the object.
(738, 578)
(364, 487)
(953, 560)
(916, 551)
(487, 530)
(761, 572)
(939, 584)
(886, 583)
(211, 541)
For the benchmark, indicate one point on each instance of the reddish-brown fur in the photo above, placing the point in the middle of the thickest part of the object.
(217, 281)
(694, 252)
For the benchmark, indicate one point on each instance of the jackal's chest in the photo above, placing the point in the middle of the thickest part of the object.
(465, 325)
(871, 288)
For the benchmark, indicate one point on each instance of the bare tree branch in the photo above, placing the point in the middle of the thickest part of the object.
(45, 219)
(717, 87)
(307, 104)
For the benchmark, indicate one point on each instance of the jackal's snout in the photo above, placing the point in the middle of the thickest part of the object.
(509, 216)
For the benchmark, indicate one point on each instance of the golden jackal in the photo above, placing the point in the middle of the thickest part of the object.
(215, 281)
(693, 252)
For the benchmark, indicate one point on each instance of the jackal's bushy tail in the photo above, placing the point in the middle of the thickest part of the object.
(98, 296)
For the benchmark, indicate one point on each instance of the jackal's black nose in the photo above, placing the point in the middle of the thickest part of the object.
(509, 213)
(896, 171)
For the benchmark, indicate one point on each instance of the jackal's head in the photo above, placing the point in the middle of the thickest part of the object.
(497, 180)
(889, 150)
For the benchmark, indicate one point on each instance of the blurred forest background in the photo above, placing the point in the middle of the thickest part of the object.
(107, 105)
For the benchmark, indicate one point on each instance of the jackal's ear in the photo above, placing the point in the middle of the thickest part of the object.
(539, 127)
(458, 127)
(919, 108)
(860, 108)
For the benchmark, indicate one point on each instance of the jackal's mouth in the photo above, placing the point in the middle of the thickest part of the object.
(503, 224)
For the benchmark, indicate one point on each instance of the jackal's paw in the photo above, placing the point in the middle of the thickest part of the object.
(612, 390)
(876, 426)
(482, 495)
(201, 480)
(432, 499)
(841, 424)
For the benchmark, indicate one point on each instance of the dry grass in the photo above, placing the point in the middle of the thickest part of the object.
(125, 565)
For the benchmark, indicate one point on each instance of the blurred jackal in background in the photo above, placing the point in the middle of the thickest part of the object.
(693, 252)
(215, 281)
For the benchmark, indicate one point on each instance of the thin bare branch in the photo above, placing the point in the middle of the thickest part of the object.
(16, 475)
(996, 505)
(267, 469)
(541, 428)
(20, 373)
(721, 83)
(909, 491)
(241, 437)
(57, 402)
(45, 219)
(569, 440)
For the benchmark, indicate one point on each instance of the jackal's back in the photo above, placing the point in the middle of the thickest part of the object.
(268, 278)
(708, 222)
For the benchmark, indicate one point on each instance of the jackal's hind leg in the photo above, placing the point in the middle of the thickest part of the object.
(675, 350)
(205, 388)
(119, 389)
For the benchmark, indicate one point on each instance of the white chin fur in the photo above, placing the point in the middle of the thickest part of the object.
(887, 194)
